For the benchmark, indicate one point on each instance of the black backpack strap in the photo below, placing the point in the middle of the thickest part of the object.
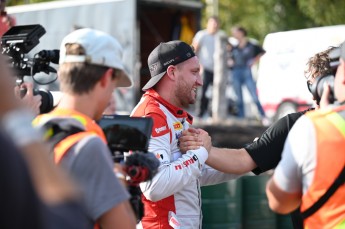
(323, 199)
(58, 134)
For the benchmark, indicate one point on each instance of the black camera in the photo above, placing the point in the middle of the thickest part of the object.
(131, 134)
(316, 88)
(16, 43)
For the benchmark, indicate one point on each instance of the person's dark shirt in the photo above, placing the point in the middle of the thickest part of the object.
(243, 57)
(266, 151)
(20, 206)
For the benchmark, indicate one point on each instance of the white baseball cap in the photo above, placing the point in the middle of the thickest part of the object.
(100, 48)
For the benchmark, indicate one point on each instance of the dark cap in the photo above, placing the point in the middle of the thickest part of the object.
(164, 55)
(335, 54)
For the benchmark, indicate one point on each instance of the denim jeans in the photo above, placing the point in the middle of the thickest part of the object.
(243, 76)
(207, 81)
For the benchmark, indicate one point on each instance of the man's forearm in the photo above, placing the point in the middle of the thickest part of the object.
(236, 161)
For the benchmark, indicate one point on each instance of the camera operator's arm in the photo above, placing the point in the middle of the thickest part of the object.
(33, 102)
(99, 183)
(324, 102)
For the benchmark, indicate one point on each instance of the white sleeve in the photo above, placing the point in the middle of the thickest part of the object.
(172, 176)
(211, 176)
(295, 170)
(198, 37)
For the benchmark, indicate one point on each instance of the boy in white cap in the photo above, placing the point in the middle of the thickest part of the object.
(90, 69)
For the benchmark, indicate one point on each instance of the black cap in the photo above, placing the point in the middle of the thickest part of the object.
(164, 55)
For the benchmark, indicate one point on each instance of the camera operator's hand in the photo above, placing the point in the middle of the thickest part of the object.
(192, 139)
(120, 173)
(33, 102)
(324, 102)
(8, 101)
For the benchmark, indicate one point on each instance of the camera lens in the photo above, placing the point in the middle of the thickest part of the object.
(47, 100)
(317, 88)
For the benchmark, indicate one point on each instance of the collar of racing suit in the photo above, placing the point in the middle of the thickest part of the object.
(178, 112)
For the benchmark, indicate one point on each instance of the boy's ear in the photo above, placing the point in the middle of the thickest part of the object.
(106, 78)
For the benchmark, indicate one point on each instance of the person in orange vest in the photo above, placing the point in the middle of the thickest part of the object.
(90, 68)
(312, 159)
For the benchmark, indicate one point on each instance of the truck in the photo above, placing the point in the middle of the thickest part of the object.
(281, 84)
(139, 26)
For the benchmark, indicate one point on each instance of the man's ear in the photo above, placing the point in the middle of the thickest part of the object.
(171, 72)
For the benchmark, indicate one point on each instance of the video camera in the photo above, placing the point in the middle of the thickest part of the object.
(131, 134)
(16, 43)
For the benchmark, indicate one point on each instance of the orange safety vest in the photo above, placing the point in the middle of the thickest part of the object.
(330, 145)
(91, 128)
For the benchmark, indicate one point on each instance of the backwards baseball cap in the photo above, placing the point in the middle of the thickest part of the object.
(100, 49)
(164, 55)
(335, 54)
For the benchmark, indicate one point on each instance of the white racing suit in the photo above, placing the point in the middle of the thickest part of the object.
(172, 199)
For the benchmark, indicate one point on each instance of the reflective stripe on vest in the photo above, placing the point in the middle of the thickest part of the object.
(330, 146)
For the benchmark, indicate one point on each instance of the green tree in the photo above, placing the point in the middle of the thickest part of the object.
(261, 17)
(326, 12)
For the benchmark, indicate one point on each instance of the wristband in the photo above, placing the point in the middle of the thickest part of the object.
(17, 124)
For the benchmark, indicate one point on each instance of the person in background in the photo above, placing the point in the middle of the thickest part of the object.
(6, 20)
(264, 153)
(204, 43)
(172, 199)
(312, 159)
(244, 55)
(90, 69)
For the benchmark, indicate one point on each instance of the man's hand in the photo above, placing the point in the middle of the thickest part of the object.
(324, 102)
(33, 102)
(192, 139)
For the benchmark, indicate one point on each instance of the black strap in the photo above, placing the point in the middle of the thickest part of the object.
(59, 134)
(323, 199)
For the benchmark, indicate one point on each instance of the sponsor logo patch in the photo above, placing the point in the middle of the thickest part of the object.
(160, 129)
(186, 163)
(178, 126)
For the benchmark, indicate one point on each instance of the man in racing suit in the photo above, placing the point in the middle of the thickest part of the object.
(173, 199)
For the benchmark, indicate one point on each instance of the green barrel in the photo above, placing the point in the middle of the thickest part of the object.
(221, 205)
(256, 212)
(284, 222)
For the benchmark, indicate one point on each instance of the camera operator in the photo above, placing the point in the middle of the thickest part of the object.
(311, 172)
(90, 69)
(265, 153)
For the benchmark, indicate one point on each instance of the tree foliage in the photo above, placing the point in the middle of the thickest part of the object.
(22, 2)
(261, 17)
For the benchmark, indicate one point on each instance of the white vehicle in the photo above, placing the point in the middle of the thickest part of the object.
(281, 83)
(139, 25)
